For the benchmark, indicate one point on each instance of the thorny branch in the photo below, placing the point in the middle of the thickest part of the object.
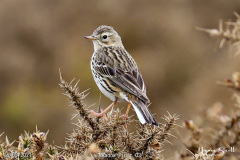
(109, 134)
(231, 33)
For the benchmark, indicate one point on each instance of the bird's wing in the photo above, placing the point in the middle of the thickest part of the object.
(130, 81)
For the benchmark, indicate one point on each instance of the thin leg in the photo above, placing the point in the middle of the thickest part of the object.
(103, 112)
(126, 114)
(129, 106)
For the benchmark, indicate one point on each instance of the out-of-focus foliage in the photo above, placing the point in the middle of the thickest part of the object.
(223, 143)
(229, 32)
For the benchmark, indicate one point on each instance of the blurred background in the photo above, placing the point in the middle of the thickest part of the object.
(180, 65)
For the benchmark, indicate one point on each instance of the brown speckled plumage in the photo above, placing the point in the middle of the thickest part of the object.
(116, 73)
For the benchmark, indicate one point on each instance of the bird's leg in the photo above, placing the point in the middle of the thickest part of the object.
(103, 112)
(126, 114)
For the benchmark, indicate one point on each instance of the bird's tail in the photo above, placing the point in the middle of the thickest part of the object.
(143, 113)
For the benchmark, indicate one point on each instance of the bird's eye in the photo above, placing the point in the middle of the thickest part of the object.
(105, 37)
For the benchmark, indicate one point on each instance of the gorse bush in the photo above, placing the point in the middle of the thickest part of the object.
(224, 137)
(229, 32)
(94, 138)
(109, 136)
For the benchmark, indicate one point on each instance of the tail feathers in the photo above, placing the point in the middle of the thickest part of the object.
(143, 113)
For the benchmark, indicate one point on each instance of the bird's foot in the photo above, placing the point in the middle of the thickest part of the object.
(92, 112)
(102, 114)
(125, 117)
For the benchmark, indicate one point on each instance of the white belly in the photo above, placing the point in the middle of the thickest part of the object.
(101, 85)
(104, 91)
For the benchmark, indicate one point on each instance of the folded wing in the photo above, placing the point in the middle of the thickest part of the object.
(129, 81)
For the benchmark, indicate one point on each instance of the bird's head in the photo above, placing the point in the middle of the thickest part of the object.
(105, 36)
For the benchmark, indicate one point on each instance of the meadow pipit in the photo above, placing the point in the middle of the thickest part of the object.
(117, 75)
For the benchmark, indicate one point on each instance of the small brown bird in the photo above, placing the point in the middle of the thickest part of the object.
(117, 75)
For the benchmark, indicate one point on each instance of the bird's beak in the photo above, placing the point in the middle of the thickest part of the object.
(90, 37)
